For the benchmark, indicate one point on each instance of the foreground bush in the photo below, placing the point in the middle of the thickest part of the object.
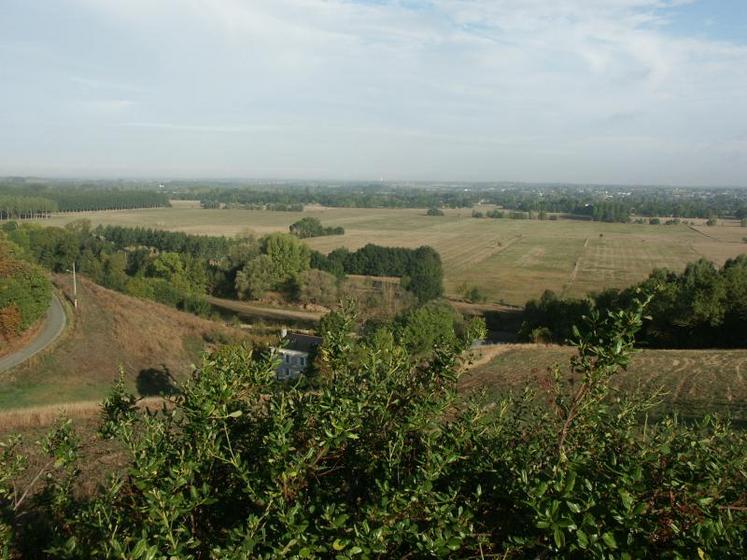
(379, 457)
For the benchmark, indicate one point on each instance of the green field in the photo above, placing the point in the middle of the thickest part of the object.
(695, 382)
(509, 260)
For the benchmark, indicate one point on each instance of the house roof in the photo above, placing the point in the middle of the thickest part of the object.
(301, 342)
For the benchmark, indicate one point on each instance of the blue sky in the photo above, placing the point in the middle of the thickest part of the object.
(607, 91)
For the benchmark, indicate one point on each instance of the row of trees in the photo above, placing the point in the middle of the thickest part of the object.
(312, 227)
(25, 207)
(25, 291)
(70, 200)
(376, 455)
(701, 307)
(40, 200)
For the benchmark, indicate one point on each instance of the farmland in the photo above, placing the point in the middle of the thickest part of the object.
(695, 382)
(508, 260)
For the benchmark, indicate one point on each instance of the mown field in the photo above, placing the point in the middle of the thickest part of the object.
(695, 382)
(510, 261)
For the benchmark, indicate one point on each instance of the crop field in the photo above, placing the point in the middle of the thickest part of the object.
(510, 261)
(695, 382)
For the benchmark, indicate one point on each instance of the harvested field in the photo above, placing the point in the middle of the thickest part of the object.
(695, 382)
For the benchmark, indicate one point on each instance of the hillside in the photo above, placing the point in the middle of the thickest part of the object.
(153, 343)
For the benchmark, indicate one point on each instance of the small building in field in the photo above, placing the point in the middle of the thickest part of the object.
(296, 352)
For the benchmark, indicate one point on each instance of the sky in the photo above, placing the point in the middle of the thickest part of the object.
(583, 91)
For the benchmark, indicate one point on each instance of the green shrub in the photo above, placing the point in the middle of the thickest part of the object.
(384, 459)
(25, 292)
(541, 335)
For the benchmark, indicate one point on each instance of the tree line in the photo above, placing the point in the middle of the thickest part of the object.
(701, 307)
(69, 200)
(41, 200)
(358, 196)
(603, 203)
(26, 207)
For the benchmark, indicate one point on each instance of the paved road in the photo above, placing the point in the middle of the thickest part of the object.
(53, 326)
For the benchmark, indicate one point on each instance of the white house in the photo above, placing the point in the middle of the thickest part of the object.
(295, 354)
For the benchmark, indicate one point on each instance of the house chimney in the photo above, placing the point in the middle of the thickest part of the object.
(283, 332)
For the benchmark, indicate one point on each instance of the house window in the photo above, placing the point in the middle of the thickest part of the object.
(302, 360)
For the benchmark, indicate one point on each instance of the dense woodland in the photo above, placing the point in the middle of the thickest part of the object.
(701, 307)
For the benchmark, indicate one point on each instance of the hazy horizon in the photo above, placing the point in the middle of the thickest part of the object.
(589, 92)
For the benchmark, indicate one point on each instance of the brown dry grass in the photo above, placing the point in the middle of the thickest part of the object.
(149, 341)
(23, 419)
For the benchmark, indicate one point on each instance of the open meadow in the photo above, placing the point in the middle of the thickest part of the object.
(510, 261)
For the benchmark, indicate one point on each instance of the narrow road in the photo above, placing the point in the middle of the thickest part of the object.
(260, 311)
(53, 326)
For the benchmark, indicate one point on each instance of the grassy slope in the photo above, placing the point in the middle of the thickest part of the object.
(111, 330)
(696, 381)
(509, 260)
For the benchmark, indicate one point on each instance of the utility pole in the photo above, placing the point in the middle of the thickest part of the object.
(75, 289)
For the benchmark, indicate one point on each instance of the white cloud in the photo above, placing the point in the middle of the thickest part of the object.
(514, 89)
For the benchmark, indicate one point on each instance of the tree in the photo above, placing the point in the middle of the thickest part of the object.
(256, 278)
(433, 211)
(425, 278)
(289, 256)
(312, 227)
(25, 292)
(318, 287)
(419, 330)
